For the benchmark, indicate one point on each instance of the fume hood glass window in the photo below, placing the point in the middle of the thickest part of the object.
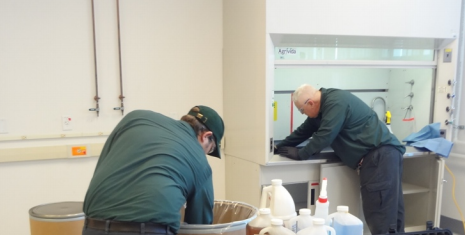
(383, 89)
(404, 90)
(335, 53)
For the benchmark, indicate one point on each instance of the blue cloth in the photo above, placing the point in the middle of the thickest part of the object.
(440, 146)
(428, 132)
(428, 138)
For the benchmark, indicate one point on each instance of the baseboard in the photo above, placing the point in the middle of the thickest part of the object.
(456, 226)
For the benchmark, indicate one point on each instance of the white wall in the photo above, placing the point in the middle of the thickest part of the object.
(171, 61)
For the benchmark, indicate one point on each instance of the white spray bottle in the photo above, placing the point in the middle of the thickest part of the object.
(322, 204)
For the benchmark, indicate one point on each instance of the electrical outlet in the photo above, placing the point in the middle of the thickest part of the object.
(67, 122)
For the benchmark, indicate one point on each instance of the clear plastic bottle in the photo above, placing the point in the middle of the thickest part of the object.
(346, 223)
(302, 221)
(262, 221)
(276, 228)
(318, 228)
(322, 204)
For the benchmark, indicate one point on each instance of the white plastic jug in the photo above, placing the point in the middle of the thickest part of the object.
(302, 221)
(345, 223)
(281, 203)
(318, 228)
(276, 228)
(262, 221)
(322, 204)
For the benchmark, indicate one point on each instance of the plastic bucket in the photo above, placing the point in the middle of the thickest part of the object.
(57, 218)
(229, 218)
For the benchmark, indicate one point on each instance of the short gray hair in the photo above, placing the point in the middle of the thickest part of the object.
(304, 89)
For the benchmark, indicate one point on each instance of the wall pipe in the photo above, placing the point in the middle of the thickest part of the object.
(96, 97)
(121, 96)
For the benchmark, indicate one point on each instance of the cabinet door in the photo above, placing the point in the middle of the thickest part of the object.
(343, 187)
(440, 177)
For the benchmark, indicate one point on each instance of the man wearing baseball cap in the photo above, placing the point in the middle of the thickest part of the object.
(150, 166)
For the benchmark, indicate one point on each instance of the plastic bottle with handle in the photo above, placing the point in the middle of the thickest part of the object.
(345, 223)
(302, 221)
(322, 204)
(276, 228)
(262, 221)
(318, 228)
(281, 203)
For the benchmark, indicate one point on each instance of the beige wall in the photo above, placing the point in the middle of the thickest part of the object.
(171, 61)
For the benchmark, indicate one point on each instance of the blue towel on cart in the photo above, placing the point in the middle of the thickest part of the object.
(429, 138)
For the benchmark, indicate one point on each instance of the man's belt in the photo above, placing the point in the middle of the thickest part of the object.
(122, 226)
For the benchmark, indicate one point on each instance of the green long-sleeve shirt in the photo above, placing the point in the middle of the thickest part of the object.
(149, 167)
(346, 124)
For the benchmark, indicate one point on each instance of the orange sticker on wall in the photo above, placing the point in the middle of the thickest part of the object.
(79, 151)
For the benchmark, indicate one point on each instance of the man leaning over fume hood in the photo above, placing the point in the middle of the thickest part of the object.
(341, 120)
(149, 167)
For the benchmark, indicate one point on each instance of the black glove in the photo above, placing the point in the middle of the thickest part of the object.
(289, 152)
(275, 149)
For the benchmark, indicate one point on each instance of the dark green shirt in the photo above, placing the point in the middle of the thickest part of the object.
(346, 124)
(149, 167)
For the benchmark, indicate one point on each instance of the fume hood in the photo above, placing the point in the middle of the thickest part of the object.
(392, 50)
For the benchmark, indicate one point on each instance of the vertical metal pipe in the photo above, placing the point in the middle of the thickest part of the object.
(96, 97)
(121, 96)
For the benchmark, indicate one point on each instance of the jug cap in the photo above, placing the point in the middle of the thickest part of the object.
(278, 222)
(276, 182)
(265, 211)
(318, 221)
(304, 211)
(342, 208)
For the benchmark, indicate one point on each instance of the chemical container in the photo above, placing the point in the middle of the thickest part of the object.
(276, 228)
(318, 228)
(302, 221)
(229, 218)
(345, 223)
(280, 201)
(262, 221)
(57, 218)
(322, 204)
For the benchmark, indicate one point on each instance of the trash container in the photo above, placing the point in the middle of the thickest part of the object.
(57, 218)
(229, 218)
